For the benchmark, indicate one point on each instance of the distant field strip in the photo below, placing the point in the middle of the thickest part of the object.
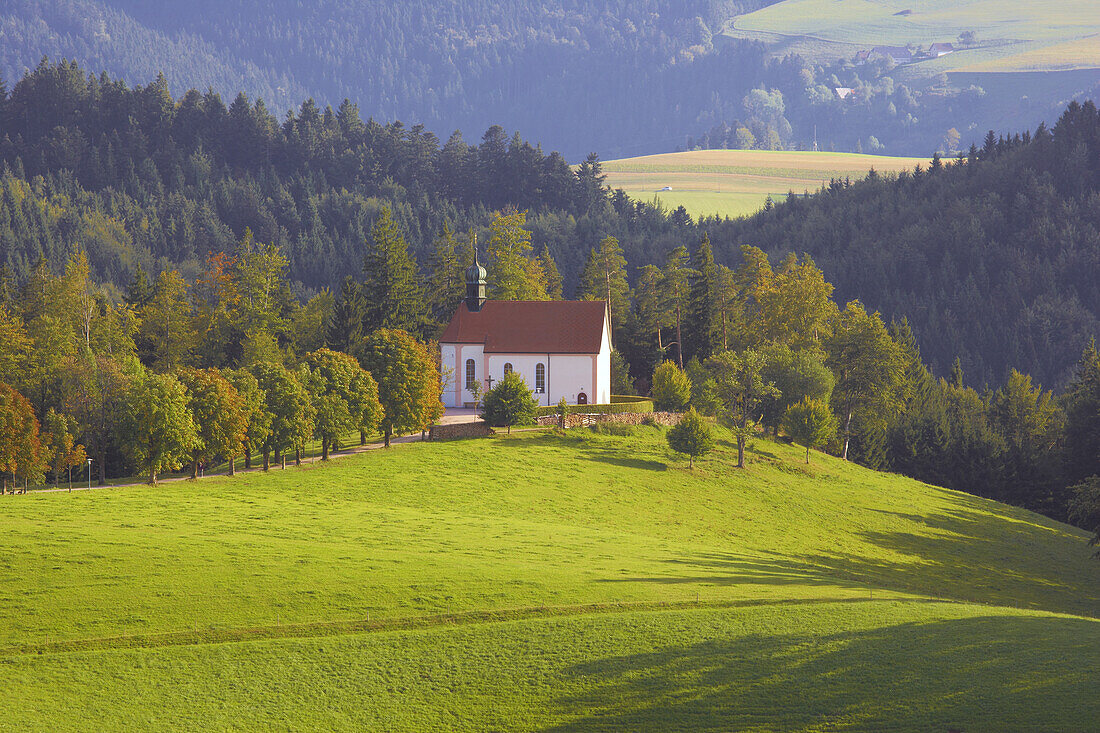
(1045, 35)
(738, 182)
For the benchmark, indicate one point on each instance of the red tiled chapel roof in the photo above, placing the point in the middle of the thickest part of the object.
(530, 326)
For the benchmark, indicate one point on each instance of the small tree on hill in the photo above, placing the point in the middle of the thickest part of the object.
(692, 436)
(810, 423)
(671, 388)
(509, 403)
(741, 391)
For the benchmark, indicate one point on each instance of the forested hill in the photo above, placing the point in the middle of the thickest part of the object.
(135, 177)
(619, 77)
(994, 258)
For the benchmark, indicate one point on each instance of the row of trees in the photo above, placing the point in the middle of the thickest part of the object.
(195, 372)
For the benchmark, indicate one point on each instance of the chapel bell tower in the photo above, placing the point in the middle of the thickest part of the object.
(475, 285)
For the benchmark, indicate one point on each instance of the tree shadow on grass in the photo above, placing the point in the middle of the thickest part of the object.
(983, 673)
(592, 450)
(962, 554)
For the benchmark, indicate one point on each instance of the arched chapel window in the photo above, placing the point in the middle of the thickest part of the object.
(470, 376)
(507, 368)
(540, 378)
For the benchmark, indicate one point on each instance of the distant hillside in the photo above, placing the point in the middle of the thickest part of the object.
(611, 589)
(667, 72)
(738, 182)
(994, 258)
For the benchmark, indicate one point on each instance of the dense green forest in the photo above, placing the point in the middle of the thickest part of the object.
(666, 77)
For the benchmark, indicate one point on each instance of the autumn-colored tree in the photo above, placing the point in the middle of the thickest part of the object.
(797, 306)
(159, 431)
(22, 453)
(409, 385)
(220, 415)
(345, 397)
(216, 303)
(15, 346)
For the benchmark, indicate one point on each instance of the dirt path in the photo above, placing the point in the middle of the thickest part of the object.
(332, 456)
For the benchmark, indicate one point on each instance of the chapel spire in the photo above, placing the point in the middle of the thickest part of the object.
(475, 284)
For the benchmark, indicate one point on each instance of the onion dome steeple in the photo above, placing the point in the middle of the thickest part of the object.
(475, 284)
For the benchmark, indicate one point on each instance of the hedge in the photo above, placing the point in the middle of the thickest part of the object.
(619, 404)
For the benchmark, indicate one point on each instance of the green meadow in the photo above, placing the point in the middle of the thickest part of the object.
(545, 582)
(738, 182)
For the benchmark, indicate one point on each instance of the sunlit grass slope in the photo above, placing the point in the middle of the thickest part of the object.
(545, 582)
(738, 182)
(1012, 35)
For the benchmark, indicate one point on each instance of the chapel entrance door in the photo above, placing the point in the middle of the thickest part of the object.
(582, 399)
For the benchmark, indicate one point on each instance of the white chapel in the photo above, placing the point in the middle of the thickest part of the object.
(561, 348)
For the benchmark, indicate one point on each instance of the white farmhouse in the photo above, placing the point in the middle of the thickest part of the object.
(561, 348)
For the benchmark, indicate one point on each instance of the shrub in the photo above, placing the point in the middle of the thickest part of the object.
(671, 388)
(609, 428)
(509, 403)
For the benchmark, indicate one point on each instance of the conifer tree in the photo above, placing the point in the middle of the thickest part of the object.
(604, 278)
(703, 321)
(509, 403)
(392, 293)
(1083, 417)
(675, 292)
(551, 277)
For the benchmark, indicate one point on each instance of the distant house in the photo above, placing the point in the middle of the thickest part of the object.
(843, 92)
(862, 57)
(940, 49)
(897, 54)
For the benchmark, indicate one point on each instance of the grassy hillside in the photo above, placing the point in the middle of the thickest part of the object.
(1011, 36)
(737, 182)
(577, 582)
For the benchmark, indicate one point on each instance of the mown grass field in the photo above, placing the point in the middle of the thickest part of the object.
(738, 182)
(540, 582)
(1012, 35)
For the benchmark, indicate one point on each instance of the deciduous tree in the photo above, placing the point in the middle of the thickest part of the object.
(692, 436)
(158, 429)
(671, 388)
(409, 385)
(220, 415)
(810, 423)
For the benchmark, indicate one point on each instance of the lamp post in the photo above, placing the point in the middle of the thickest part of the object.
(89, 474)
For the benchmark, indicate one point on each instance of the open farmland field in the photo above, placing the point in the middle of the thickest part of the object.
(544, 582)
(737, 182)
(1011, 36)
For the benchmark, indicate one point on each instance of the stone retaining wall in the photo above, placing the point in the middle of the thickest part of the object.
(477, 429)
(622, 418)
